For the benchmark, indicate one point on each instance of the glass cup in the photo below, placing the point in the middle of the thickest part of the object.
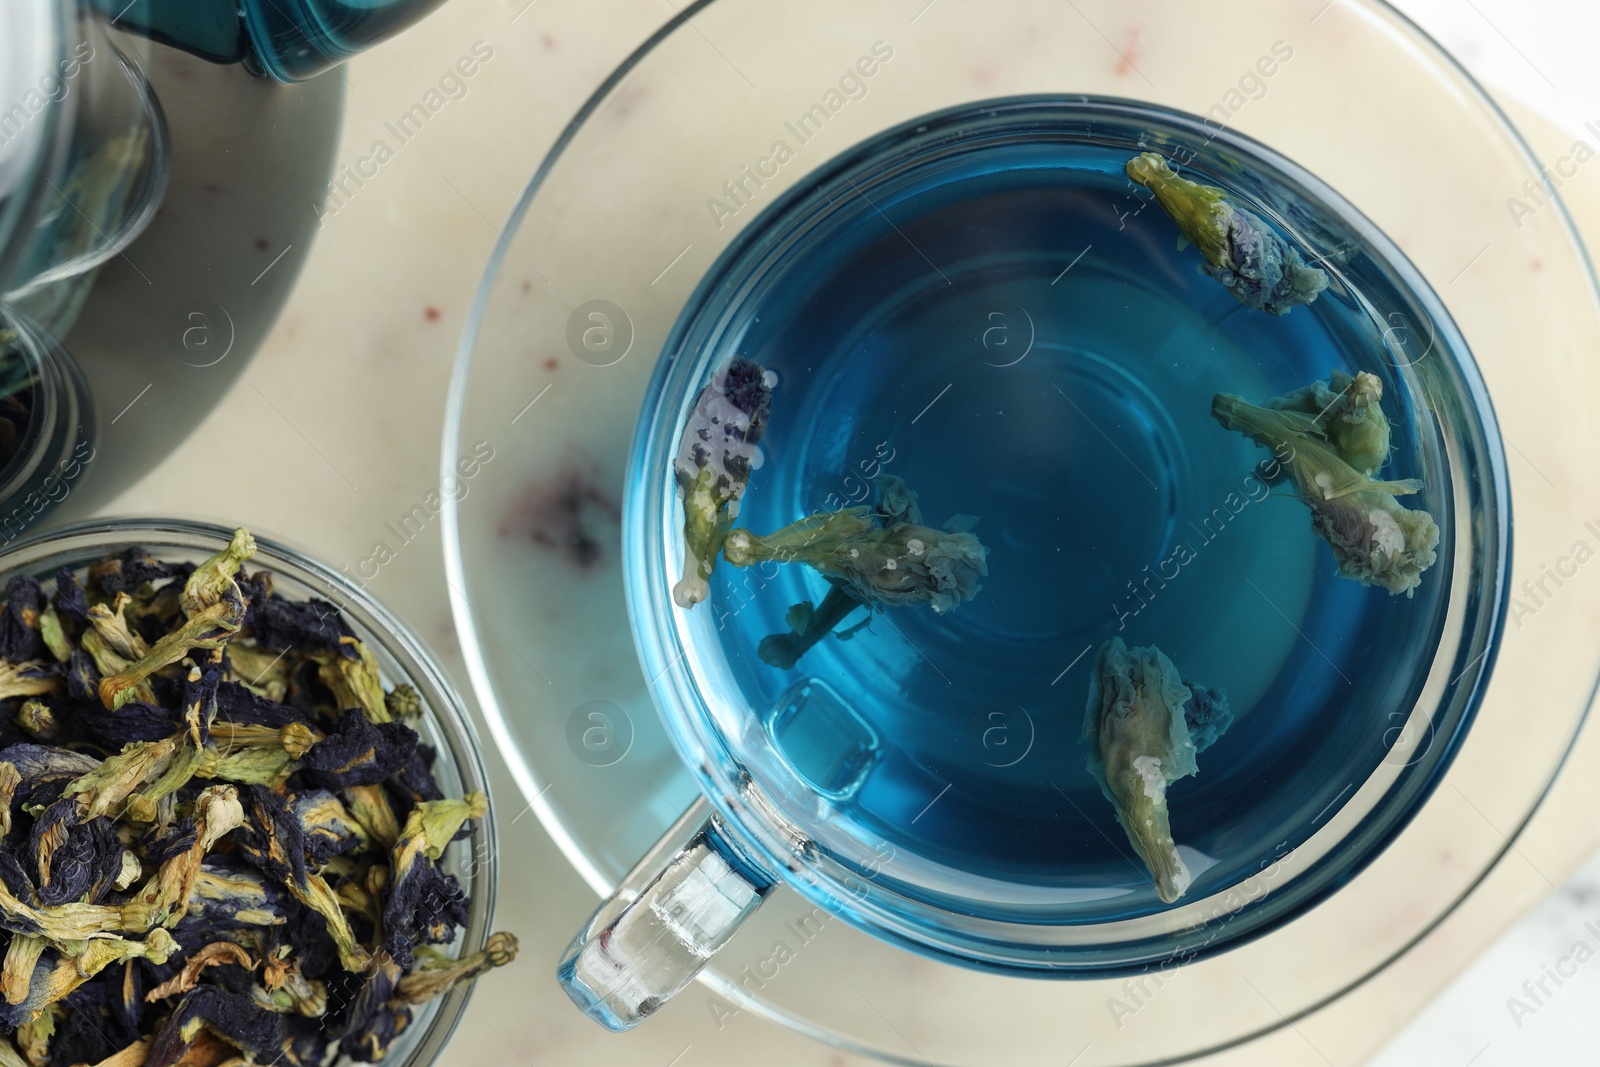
(788, 756)
(402, 658)
(626, 276)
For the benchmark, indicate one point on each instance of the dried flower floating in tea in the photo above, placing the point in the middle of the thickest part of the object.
(1375, 540)
(218, 837)
(1144, 726)
(873, 557)
(715, 456)
(883, 556)
(1261, 269)
(1349, 412)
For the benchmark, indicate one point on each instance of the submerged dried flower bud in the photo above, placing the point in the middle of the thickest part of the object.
(807, 626)
(1349, 413)
(1374, 539)
(1139, 743)
(715, 457)
(1260, 269)
(892, 565)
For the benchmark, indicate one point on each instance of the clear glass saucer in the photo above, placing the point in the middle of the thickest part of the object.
(651, 182)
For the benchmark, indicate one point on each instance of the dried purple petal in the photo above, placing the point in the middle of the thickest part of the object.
(358, 751)
(238, 704)
(73, 861)
(82, 677)
(306, 626)
(415, 778)
(19, 620)
(132, 568)
(71, 603)
(231, 1016)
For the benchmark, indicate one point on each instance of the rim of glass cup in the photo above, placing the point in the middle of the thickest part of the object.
(475, 859)
(482, 679)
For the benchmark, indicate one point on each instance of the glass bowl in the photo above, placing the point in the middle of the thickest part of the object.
(668, 165)
(401, 657)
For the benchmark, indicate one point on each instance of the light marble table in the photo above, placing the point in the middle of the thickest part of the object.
(335, 430)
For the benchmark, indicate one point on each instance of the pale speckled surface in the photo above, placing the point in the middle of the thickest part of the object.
(347, 397)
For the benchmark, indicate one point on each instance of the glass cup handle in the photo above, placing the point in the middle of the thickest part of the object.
(673, 911)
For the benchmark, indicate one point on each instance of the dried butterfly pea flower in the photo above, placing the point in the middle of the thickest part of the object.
(1206, 714)
(403, 702)
(212, 583)
(20, 639)
(227, 895)
(164, 899)
(130, 569)
(308, 625)
(257, 670)
(121, 848)
(808, 625)
(10, 778)
(104, 789)
(881, 558)
(73, 859)
(233, 1017)
(371, 1024)
(70, 602)
(207, 629)
(135, 721)
(369, 806)
(275, 842)
(1139, 744)
(713, 464)
(354, 679)
(56, 975)
(1375, 540)
(82, 676)
(22, 956)
(111, 624)
(37, 720)
(28, 679)
(1260, 268)
(238, 704)
(425, 904)
(1348, 412)
(414, 781)
(38, 763)
(216, 954)
(327, 826)
(436, 974)
(294, 994)
(54, 635)
(358, 751)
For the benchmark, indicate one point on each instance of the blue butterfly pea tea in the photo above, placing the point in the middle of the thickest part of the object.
(1060, 525)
